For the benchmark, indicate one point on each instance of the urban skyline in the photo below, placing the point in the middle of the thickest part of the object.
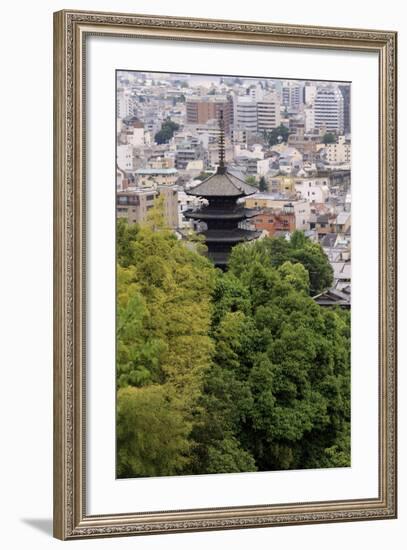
(303, 181)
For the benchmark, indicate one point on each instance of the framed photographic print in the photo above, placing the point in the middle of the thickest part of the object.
(225, 274)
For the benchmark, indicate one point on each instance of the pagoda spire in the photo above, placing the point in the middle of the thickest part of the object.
(221, 142)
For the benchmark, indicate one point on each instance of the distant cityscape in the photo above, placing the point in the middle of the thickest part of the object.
(283, 145)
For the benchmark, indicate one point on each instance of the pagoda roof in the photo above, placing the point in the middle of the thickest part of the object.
(207, 213)
(222, 184)
(230, 235)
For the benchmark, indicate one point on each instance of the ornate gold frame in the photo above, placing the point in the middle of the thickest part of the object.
(70, 31)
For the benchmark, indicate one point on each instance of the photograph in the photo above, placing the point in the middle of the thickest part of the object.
(233, 274)
(225, 267)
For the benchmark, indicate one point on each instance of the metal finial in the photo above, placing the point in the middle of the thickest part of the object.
(221, 141)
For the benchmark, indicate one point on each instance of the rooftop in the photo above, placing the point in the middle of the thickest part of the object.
(342, 218)
(222, 184)
(333, 297)
(156, 171)
(230, 235)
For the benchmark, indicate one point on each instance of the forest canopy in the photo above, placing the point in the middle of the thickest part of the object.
(232, 371)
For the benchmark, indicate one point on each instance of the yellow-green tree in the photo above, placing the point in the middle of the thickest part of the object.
(164, 312)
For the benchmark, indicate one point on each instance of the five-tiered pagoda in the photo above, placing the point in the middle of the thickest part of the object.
(223, 215)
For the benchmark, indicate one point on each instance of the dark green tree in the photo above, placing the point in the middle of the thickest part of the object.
(263, 185)
(167, 131)
(329, 138)
(278, 134)
(276, 251)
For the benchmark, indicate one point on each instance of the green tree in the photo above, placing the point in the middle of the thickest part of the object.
(226, 401)
(126, 235)
(278, 134)
(167, 131)
(263, 185)
(152, 433)
(276, 395)
(329, 138)
(298, 374)
(164, 313)
(275, 251)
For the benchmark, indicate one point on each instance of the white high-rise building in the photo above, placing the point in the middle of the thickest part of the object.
(329, 109)
(246, 114)
(310, 91)
(268, 113)
(125, 106)
(309, 119)
(256, 93)
(291, 94)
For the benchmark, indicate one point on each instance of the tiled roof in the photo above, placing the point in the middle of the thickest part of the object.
(160, 171)
(225, 184)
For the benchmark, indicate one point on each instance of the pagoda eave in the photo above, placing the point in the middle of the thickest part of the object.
(232, 236)
(213, 214)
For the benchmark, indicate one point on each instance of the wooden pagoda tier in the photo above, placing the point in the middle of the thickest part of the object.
(223, 214)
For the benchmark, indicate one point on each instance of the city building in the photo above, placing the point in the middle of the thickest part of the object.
(238, 136)
(201, 109)
(125, 157)
(277, 202)
(309, 119)
(268, 113)
(281, 184)
(274, 221)
(329, 109)
(148, 177)
(343, 222)
(325, 223)
(134, 204)
(291, 95)
(312, 189)
(124, 104)
(338, 153)
(345, 91)
(309, 91)
(246, 114)
(307, 143)
(136, 134)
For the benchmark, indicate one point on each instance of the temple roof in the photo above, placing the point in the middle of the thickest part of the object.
(222, 184)
(207, 213)
(235, 235)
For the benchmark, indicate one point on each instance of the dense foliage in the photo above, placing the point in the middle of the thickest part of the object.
(328, 138)
(227, 372)
(277, 135)
(167, 131)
